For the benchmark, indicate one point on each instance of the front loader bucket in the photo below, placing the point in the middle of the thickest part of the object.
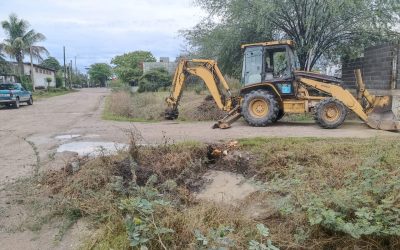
(385, 114)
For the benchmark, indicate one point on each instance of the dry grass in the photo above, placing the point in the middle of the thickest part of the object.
(288, 169)
(301, 168)
(122, 105)
(141, 107)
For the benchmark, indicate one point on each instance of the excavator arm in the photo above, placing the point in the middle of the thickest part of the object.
(208, 71)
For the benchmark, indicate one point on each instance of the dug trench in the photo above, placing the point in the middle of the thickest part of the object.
(289, 193)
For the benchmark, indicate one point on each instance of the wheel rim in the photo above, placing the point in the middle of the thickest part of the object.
(258, 108)
(331, 112)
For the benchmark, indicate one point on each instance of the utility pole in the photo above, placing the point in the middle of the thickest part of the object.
(32, 76)
(65, 70)
(70, 74)
(76, 69)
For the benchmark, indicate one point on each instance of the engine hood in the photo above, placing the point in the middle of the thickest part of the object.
(316, 76)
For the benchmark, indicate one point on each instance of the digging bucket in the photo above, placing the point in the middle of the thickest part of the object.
(385, 114)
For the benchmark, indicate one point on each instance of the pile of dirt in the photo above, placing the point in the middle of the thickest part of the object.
(207, 111)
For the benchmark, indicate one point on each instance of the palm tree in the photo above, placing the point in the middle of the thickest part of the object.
(1, 53)
(20, 41)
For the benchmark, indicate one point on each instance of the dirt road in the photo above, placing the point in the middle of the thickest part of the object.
(29, 135)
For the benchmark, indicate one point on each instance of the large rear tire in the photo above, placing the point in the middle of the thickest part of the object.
(330, 113)
(260, 108)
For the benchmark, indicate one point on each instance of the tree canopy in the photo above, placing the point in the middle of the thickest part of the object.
(4, 65)
(154, 79)
(20, 40)
(319, 28)
(51, 63)
(100, 72)
(128, 66)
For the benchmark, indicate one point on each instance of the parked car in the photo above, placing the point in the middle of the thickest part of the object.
(12, 94)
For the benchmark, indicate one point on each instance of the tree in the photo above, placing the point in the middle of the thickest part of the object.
(154, 79)
(100, 72)
(51, 63)
(128, 66)
(21, 41)
(1, 52)
(5, 67)
(318, 27)
(48, 80)
(79, 79)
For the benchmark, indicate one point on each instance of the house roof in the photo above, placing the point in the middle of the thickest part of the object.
(39, 66)
(35, 65)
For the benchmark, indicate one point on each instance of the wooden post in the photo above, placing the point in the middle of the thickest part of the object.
(65, 70)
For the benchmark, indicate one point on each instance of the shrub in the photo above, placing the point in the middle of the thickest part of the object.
(59, 79)
(367, 204)
(154, 80)
(26, 83)
(198, 89)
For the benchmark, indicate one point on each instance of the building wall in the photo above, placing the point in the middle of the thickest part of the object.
(169, 66)
(380, 66)
(40, 75)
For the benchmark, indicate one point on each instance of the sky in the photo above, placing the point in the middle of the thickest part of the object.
(94, 31)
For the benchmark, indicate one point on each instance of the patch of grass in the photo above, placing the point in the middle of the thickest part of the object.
(125, 106)
(314, 193)
(341, 189)
(150, 107)
(42, 94)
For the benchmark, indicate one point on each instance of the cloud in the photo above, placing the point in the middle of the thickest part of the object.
(97, 30)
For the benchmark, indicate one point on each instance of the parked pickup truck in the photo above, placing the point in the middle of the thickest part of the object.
(12, 94)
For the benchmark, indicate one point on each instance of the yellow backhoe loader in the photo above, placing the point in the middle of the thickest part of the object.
(273, 87)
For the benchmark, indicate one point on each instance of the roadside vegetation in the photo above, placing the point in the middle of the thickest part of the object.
(149, 107)
(51, 92)
(312, 193)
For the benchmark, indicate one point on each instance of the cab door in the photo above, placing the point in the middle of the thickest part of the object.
(252, 65)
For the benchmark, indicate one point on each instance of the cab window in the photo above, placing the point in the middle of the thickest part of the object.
(276, 64)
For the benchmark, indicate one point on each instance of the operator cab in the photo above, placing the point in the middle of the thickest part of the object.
(268, 62)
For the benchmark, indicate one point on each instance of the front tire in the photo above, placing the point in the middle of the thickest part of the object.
(260, 108)
(30, 101)
(330, 113)
(16, 103)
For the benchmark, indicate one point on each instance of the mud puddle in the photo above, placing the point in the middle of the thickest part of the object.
(92, 148)
(225, 187)
(66, 137)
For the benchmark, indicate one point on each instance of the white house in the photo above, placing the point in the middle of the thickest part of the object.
(40, 75)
